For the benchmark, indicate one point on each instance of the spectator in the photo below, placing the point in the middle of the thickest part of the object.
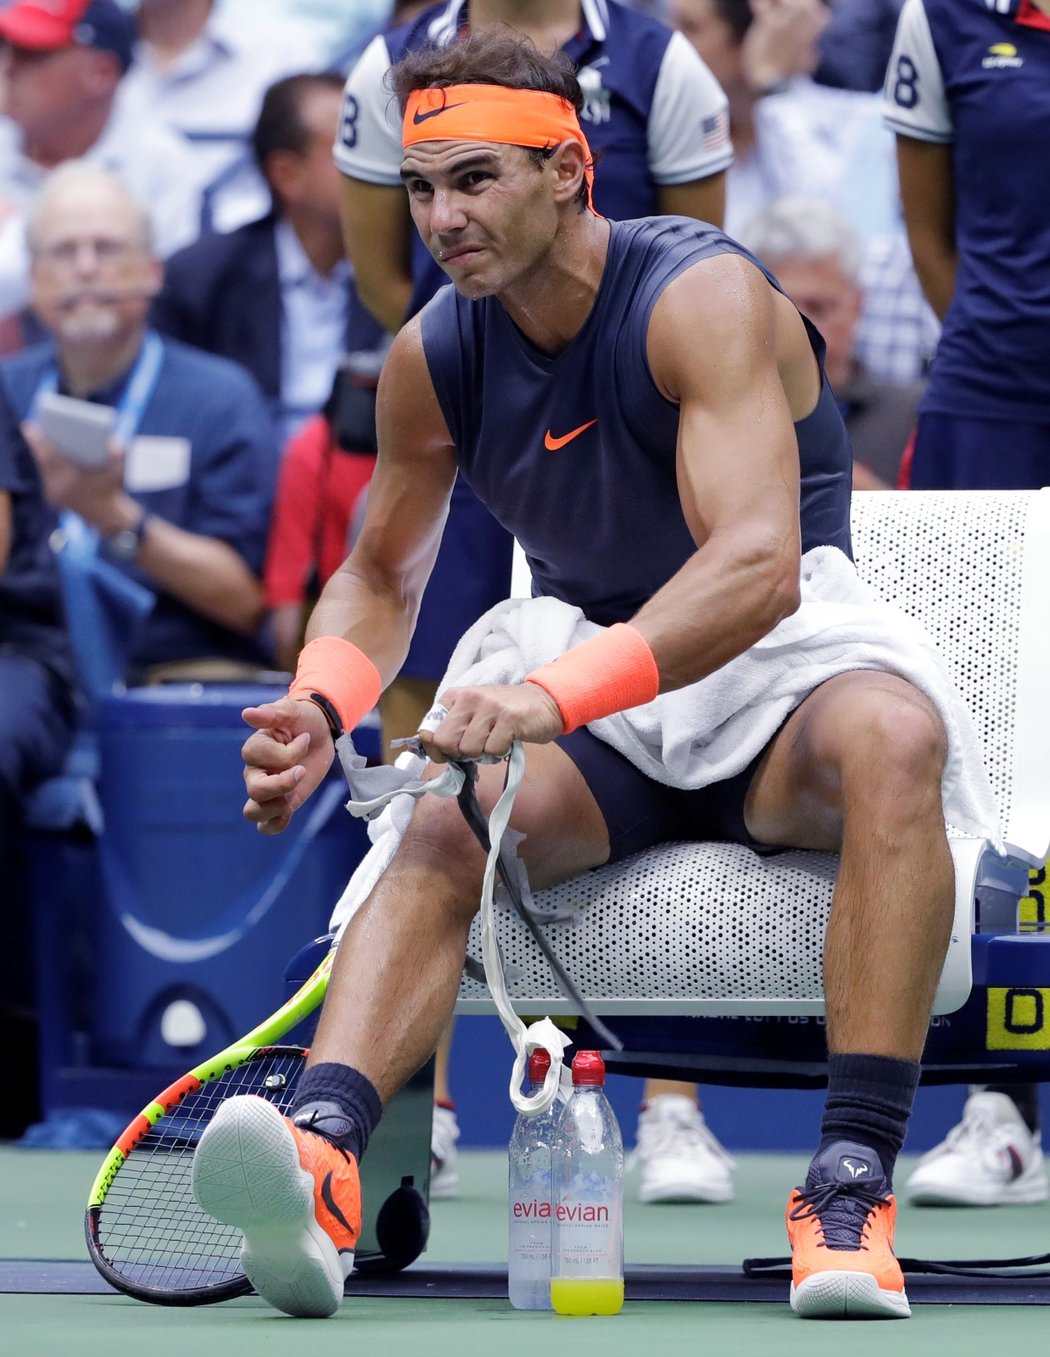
(646, 94)
(62, 66)
(789, 134)
(204, 75)
(341, 30)
(967, 89)
(36, 721)
(184, 503)
(320, 501)
(816, 258)
(793, 136)
(276, 294)
(855, 47)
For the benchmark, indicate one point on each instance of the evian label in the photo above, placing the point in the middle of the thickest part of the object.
(588, 1234)
(531, 1210)
(531, 1219)
(582, 1213)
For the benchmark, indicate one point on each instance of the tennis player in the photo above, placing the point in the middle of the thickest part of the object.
(646, 411)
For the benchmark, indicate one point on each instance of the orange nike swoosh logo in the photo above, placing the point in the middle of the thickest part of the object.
(552, 444)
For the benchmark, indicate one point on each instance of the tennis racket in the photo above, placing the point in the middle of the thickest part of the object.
(145, 1232)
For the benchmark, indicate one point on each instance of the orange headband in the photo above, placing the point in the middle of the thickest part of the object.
(511, 117)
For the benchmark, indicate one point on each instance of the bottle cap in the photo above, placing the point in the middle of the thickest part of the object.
(588, 1068)
(539, 1064)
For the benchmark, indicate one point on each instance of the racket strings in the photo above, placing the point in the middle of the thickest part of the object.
(150, 1227)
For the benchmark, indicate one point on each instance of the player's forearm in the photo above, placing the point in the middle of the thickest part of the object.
(725, 598)
(376, 614)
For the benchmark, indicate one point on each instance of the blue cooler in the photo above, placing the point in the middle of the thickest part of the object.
(201, 912)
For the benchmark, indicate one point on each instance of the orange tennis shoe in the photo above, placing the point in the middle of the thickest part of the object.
(841, 1230)
(294, 1194)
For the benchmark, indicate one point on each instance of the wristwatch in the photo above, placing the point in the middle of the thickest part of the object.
(126, 544)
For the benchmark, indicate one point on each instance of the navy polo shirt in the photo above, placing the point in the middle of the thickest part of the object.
(975, 75)
(228, 494)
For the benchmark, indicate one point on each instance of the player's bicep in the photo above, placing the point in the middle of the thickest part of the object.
(713, 348)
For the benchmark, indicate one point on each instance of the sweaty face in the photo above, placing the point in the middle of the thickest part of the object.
(92, 271)
(485, 212)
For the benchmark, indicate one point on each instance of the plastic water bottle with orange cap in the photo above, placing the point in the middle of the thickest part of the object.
(587, 1174)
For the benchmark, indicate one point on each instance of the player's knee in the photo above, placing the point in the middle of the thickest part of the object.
(439, 838)
(899, 747)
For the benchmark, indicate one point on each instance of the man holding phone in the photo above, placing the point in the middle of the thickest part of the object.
(180, 497)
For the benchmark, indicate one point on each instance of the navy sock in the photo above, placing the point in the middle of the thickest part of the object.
(869, 1102)
(340, 1102)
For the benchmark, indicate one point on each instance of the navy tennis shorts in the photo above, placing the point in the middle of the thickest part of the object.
(639, 812)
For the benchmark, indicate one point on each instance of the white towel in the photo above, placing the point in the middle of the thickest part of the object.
(710, 730)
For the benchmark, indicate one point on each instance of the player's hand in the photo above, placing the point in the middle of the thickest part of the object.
(285, 760)
(488, 720)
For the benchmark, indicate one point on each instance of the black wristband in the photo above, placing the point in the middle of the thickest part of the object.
(330, 714)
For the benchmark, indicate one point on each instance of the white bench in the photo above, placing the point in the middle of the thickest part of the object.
(709, 929)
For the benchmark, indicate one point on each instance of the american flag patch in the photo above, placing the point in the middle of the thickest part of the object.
(714, 131)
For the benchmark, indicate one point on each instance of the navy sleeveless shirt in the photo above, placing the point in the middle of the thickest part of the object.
(575, 454)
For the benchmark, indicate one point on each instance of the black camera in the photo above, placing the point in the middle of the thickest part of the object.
(351, 408)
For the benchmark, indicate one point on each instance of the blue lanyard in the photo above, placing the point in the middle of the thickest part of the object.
(137, 393)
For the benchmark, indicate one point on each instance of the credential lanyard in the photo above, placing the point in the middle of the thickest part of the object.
(137, 393)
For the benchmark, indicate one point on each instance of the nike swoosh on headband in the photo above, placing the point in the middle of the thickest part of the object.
(418, 117)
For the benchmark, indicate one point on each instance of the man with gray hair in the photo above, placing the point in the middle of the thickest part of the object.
(181, 503)
(816, 257)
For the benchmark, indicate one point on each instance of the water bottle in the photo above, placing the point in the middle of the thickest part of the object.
(587, 1171)
(529, 1221)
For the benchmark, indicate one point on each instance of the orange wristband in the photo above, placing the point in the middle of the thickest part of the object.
(606, 674)
(340, 672)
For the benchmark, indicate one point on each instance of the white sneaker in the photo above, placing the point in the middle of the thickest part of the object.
(444, 1180)
(990, 1159)
(681, 1160)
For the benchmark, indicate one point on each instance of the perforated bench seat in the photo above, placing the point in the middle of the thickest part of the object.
(715, 929)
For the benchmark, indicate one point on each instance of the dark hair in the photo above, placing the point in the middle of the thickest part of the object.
(280, 126)
(494, 56)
